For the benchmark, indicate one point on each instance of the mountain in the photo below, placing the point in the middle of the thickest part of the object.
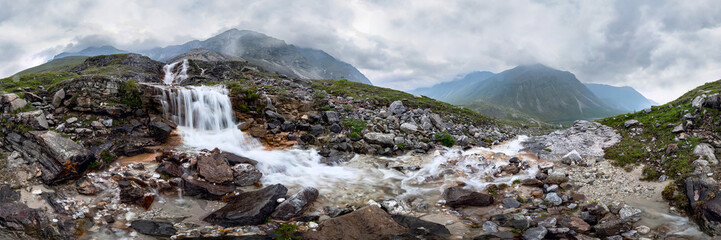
(92, 51)
(272, 54)
(446, 90)
(626, 99)
(205, 55)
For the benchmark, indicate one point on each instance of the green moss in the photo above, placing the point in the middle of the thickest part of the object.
(286, 231)
(130, 94)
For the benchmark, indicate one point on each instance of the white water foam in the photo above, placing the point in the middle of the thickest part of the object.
(171, 76)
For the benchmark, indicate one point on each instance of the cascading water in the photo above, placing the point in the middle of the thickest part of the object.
(171, 75)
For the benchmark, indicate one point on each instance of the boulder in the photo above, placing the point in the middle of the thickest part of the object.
(457, 196)
(706, 152)
(35, 119)
(296, 204)
(510, 203)
(233, 159)
(438, 122)
(397, 108)
(19, 217)
(490, 226)
(678, 128)
(713, 101)
(385, 139)
(60, 158)
(409, 127)
(572, 158)
(612, 227)
(159, 130)
(58, 98)
(86, 187)
(134, 191)
(248, 208)
(10, 102)
(553, 198)
(330, 117)
(245, 174)
(154, 228)
(369, 222)
(215, 170)
(631, 123)
(170, 168)
(574, 223)
(705, 199)
(423, 229)
(205, 190)
(628, 213)
(698, 101)
(535, 233)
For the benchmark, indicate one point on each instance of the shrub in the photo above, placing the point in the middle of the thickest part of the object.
(130, 94)
(446, 139)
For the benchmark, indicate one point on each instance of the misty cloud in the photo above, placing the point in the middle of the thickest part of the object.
(661, 48)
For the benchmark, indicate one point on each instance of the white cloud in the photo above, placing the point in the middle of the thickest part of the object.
(661, 48)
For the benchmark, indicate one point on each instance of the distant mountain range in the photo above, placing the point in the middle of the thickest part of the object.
(272, 54)
(539, 91)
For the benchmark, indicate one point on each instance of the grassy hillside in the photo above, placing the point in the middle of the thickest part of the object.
(61, 64)
(385, 96)
(506, 114)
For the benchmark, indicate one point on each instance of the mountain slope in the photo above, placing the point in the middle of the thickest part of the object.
(447, 90)
(205, 55)
(272, 54)
(92, 51)
(58, 64)
(540, 91)
(626, 99)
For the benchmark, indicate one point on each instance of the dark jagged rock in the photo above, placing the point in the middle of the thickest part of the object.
(705, 201)
(457, 196)
(422, 229)
(60, 158)
(245, 174)
(535, 233)
(369, 222)
(233, 159)
(205, 190)
(248, 208)
(612, 227)
(140, 68)
(154, 228)
(8, 195)
(86, 187)
(296, 204)
(136, 192)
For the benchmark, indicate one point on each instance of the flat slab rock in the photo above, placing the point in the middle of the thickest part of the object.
(457, 196)
(248, 208)
(369, 222)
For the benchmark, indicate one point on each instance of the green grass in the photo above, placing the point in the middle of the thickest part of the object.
(355, 126)
(385, 96)
(62, 64)
(35, 80)
(130, 93)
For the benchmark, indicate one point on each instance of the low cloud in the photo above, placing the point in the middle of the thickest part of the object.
(661, 48)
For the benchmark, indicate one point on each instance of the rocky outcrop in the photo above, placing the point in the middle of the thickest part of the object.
(588, 139)
(99, 94)
(10, 102)
(128, 66)
(248, 208)
(705, 200)
(369, 222)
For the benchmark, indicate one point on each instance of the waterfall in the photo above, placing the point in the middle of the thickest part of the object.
(205, 108)
(172, 76)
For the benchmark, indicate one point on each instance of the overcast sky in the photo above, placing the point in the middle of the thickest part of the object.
(661, 48)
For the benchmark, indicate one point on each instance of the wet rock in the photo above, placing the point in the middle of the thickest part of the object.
(706, 152)
(134, 191)
(233, 159)
(369, 222)
(535, 233)
(705, 200)
(628, 213)
(532, 182)
(422, 229)
(58, 98)
(574, 223)
(86, 187)
(553, 198)
(19, 217)
(611, 227)
(296, 204)
(248, 208)
(397, 107)
(631, 123)
(170, 168)
(385, 139)
(510, 203)
(457, 196)
(205, 190)
(245, 174)
(159, 130)
(214, 170)
(154, 228)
